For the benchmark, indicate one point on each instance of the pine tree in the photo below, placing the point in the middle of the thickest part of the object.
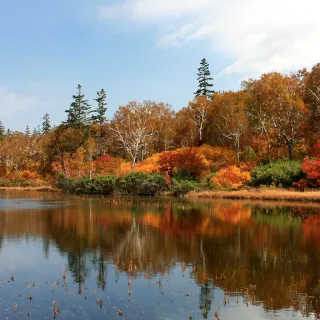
(34, 132)
(204, 88)
(100, 113)
(2, 130)
(27, 132)
(100, 117)
(46, 126)
(79, 110)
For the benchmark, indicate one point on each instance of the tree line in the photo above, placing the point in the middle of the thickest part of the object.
(276, 116)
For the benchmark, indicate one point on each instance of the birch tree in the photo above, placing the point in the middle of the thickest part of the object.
(257, 111)
(229, 117)
(200, 106)
(131, 128)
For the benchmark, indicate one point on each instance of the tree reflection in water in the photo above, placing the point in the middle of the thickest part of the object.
(269, 254)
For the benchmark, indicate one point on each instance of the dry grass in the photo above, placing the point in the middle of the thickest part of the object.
(260, 194)
(40, 188)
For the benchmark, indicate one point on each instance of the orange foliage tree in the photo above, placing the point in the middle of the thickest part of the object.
(73, 165)
(185, 128)
(275, 102)
(229, 116)
(186, 159)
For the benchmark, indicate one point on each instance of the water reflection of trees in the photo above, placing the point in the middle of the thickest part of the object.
(269, 258)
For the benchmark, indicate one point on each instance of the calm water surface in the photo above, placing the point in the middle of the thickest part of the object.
(157, 259)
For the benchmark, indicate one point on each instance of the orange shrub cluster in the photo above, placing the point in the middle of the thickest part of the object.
(21, 178)
(26, 175)
(231, 177)
(187, 159)
(196, 161)
(149, 165)
(217, 158)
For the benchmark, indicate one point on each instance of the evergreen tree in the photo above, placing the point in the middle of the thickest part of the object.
(79, 110)
(46, 126)
(204, 88)
(36, 131)
(100, 113)
(100, 117)
(2, 131)
(27, 132)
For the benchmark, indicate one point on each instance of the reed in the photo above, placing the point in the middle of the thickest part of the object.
(260, 194)
(40, 188)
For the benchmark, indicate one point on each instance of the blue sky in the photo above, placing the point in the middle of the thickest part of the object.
(142, 49)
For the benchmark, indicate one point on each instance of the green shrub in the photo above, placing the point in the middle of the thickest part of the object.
(104, 185)
(182, 187)
(138, 183)
(64, 183)
(278, 173)
(133, 184)
(100, 185)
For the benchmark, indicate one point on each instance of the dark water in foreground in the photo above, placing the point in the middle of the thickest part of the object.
(157, 259)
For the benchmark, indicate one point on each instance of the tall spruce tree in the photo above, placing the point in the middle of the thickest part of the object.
(46, 126)
(2, 130)
(99, 116)
(204, 78)
(27, 131)
(78, 113)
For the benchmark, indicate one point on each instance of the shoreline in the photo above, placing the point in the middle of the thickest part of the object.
(40, 188)
(274, 195)
(258, 194)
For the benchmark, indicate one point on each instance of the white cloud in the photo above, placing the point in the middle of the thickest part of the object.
(10, 102)
(151, 10)
(258, 35)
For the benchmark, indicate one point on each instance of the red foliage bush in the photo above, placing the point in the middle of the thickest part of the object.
(107, 165)
(312, 168)
(315, 151)
(300, 185)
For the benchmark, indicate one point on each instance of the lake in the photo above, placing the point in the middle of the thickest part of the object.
(80, 258)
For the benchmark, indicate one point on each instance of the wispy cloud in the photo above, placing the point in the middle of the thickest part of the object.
(154, 10)
(11, 103)
(258, 35)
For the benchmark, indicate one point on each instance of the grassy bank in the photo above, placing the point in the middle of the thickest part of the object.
(258, 194)
(40, 188)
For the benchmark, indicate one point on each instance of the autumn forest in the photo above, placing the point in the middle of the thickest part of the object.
(264, 134)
